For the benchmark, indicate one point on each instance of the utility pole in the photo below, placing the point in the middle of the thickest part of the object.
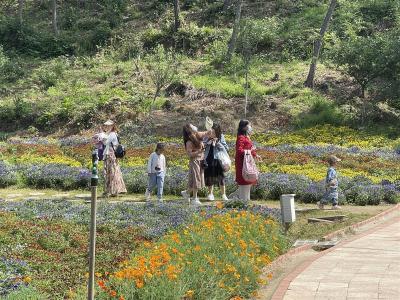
(92, 248)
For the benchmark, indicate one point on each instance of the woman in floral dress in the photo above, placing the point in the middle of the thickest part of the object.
(113, 181)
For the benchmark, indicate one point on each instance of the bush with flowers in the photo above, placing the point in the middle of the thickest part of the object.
(220, 257)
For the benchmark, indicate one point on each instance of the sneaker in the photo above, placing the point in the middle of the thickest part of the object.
(185, 195)
(224, 197)
(320, 205)
(195, 202)
(336, 207)
(147, 195)
(211, 197)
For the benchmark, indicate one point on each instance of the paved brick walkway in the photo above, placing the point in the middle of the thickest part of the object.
(365, 268)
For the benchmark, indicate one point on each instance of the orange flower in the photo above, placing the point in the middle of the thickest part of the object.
(269, 276)
(101, 284)
(219, 205)
(175, 238)
(139, 283)
(197, 248)
(113, 293)
(236, 298)
(121, 298)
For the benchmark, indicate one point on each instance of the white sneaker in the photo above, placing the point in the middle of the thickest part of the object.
(185, 195)
(195, 202)
(224, 197)
(147, 195)
(211, 197)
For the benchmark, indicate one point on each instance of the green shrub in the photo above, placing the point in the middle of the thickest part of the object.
(321, 112)
(48, 74)
(10, 70)
(91, 33)
(52, 241)
(190, 39)
(29, 40)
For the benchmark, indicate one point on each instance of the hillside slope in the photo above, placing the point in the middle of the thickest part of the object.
(103, 60)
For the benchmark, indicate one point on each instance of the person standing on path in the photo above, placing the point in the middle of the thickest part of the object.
(213, 172)
(113, 181)
(332, 184)
(194, 146)
(156, 169)
(243, 143)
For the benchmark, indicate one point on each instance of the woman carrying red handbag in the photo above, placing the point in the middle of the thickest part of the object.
(243, 145)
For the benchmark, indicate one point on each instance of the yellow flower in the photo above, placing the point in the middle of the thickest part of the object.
(27, 279)
(189, 294)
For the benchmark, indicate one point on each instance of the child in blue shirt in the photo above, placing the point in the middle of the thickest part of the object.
(331, 184)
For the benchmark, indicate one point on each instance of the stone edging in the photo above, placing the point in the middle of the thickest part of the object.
(284, 284)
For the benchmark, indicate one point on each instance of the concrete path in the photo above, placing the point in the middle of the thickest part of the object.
(367, 267)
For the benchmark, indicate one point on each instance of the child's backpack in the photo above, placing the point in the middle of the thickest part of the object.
(249, 172)
(99, 145)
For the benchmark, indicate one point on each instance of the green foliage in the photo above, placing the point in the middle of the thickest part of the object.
(57, 252)
(48, 74)
(162, 66)
(10, 70)
(93, 32)
(190, 39)
(258, 35)
(320, 112)
(53, 242)
(25, 293)
(26, 39)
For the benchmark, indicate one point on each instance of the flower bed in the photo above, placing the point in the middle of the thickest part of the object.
(220, 257)
(52, 236)
(296, 158)
(12, 275)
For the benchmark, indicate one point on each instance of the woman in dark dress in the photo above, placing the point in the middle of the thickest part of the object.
(213, 172)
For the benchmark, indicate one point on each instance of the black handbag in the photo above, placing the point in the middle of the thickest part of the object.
(120, 151)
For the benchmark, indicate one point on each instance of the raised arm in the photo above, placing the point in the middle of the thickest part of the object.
(202, 134)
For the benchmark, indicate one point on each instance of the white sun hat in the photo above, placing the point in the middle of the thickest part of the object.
(209, 123)
(109, 123)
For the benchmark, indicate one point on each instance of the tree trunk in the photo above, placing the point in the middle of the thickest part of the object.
(177, 15)
(227, 3)
(317, 45)
(247, 94)
(55, 27)
(21, 11)
(156, 94)
(235, 31)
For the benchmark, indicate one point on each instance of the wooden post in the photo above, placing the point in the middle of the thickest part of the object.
(92, 249)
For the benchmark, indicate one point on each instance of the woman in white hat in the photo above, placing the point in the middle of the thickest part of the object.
(113, 181)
